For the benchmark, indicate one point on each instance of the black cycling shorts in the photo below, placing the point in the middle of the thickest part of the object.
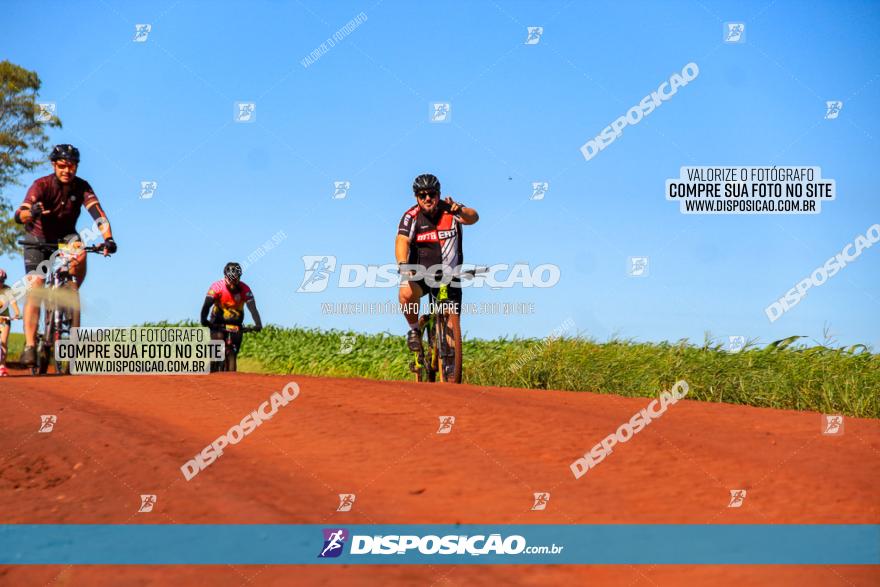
(453, 292)
(33, 256)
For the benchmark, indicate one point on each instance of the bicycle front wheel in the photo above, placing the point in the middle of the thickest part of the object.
(449, 348)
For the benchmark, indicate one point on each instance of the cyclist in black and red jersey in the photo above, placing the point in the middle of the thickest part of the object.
(49, 214)
(430, 234)
(226, 300)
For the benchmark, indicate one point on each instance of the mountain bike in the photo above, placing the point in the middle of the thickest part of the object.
(232, 335)
(58, 315)
(441, 353)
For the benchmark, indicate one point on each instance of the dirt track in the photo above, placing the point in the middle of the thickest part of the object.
(119, 437)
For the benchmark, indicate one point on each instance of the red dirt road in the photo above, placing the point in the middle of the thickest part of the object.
(118, 437)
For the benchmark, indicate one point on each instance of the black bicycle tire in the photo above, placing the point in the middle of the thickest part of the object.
(442, 326)
(58, 368)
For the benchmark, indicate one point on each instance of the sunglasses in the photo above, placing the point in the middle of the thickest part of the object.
(426, 195)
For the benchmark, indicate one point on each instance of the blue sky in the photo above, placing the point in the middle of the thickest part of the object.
(162, 110)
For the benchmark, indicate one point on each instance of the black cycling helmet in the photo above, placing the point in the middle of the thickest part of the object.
(232, 271)
(68, 152)
(426, 183)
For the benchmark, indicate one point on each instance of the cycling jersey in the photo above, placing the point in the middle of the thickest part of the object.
(229, 305)
(5, 298)
(62, 204)
(433, 241)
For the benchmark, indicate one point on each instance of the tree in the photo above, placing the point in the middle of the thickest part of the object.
(23, 140)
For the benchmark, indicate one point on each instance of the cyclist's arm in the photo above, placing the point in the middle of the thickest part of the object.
(252, 307)
(206, 307)
(90, 201)
(468, 215)
(15, 311)
(23, 214)
(406, 232)
(464, 214)
(401, 249)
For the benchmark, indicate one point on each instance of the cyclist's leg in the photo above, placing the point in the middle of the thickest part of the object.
(35, 265)
(78, 268)
(4, 340)
(31, 312)
(409, 294)
(78, 271)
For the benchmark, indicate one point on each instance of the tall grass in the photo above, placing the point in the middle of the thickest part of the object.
(780, 375)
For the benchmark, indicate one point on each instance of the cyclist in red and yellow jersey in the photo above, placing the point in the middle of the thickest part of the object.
(226, 299)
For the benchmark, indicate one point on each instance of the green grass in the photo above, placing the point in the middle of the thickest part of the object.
(14, 346)
(780, 375)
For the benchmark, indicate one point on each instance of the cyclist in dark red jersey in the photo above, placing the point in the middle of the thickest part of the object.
(429, 234)
(49, 214)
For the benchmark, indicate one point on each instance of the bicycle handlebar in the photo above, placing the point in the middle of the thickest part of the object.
(222, 327)
(54, 247)
(466, 274)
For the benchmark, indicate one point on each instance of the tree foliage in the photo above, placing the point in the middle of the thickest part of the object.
(23, 140)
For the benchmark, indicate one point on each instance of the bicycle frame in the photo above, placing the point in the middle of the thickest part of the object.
(231, 345)
(440, 355)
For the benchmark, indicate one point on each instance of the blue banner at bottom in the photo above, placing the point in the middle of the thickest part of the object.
(184, 544)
